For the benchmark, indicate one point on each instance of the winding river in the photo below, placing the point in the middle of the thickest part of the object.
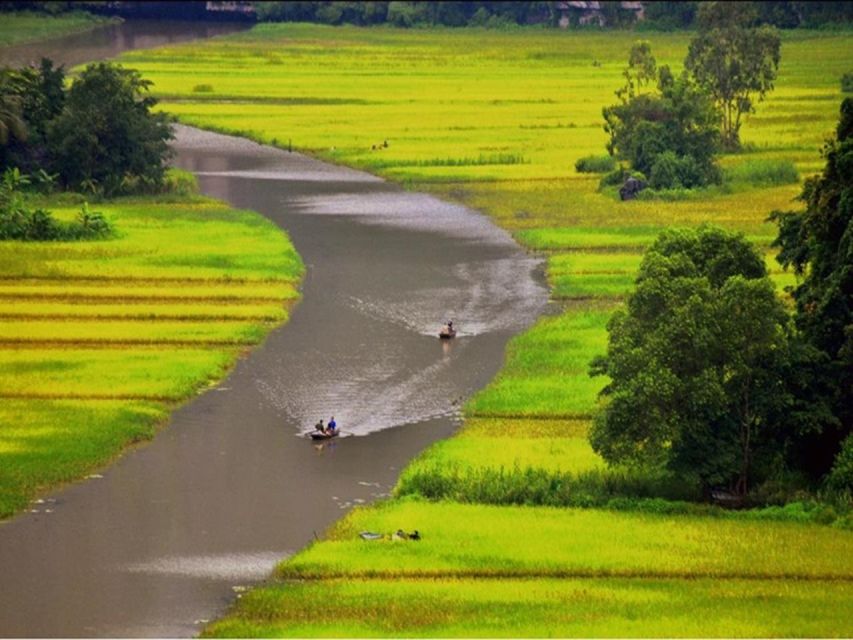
(172, 531)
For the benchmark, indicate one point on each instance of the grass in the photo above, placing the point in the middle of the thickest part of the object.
(497, 121)
(541, 608)
(26, 26)
(100, 339)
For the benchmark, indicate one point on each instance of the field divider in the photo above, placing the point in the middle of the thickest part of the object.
(98, 343)
(90, 299)
(152, 280)
(25, 395)
(558, 574)
(522, 416)
(138, 317)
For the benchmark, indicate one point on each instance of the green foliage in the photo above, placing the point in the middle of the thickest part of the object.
(107, 136)
(20, 222)
(596, 164)
(677, 122)
(763, 173)
(696, 361)
(733, 62)
(840, 478)
(818, 245)
(847, 83)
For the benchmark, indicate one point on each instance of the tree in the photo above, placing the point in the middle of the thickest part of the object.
(106, 134)
(733, 62)
(678, 122)
(818, 245)
(696, 361)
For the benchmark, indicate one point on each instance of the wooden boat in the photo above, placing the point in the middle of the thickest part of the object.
(447, 335)
(316, 435)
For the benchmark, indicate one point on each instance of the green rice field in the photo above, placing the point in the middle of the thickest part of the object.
(496, 120)
(100, 339)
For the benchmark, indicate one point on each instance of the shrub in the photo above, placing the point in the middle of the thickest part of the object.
(840, 478)
(203, 88)
(847, 83)
(180, 182)
(764, 172)
(595, 164)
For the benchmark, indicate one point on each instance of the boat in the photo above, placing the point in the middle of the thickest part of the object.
(316, 435)
(447, 335)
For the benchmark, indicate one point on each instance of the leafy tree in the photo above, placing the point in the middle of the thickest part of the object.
(106, 134)
(818, 245)
(678, 120)
(696, 361)
(733, 62)
(40, 93)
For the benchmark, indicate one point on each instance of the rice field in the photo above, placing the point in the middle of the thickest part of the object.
(99, 340)
(496, 120)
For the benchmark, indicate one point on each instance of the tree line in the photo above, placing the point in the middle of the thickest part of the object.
(454, 13)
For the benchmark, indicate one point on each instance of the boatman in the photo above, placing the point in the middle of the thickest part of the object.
(319, 426)
(332, 428)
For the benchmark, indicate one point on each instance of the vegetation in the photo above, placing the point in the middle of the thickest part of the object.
(698, 362)
(100, 339)
(733, 62)
(19, 26)
(669, 136)
(818, 245)
(100, 135)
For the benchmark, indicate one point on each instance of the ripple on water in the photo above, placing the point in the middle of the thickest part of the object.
(228, 566)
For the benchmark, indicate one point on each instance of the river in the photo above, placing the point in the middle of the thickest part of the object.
(175, 529)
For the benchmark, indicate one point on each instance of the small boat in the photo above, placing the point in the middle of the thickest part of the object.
(447, 335)
(316, 435)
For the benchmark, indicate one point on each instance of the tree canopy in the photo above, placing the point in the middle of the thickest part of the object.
(696, 361)
(99, 135)
(818, 245)
(670, 135)
(734, 62)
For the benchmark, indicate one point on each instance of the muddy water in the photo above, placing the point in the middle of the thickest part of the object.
(169, 533)
(111, 40)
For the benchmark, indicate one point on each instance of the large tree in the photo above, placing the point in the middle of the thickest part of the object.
(696, 361)
(733, 61)
(818, 245)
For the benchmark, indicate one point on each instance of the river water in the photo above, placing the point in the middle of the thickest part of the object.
(174, 529)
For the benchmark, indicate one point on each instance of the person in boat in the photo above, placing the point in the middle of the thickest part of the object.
(450, 326)
(319, 426)
(332, 427)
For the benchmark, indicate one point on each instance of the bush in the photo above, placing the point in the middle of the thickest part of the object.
(595, 164)
(847, 83)
(203, 88)
(20, 222)
(180, 182)
(764, 173)
(840, 478)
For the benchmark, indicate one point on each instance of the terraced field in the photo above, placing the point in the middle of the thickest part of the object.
(100, 339)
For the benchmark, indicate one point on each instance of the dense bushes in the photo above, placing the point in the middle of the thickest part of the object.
(98, 136)
(595, 164)
(669, 135)
(19, 221)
